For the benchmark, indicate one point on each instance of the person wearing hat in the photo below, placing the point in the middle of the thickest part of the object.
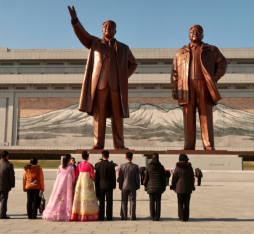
(183, 185)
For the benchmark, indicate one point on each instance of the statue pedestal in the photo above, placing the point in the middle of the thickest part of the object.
(204, 159)
(198, 152)
(117, 156)
(99, 151)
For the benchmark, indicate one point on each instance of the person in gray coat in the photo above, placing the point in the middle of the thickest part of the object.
(7, 182)
(129, 182)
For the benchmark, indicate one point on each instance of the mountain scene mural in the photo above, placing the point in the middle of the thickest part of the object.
(148, 125)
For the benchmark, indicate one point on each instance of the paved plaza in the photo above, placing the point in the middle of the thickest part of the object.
(216, 207)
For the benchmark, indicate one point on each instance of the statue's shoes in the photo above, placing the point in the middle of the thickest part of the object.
(122, 148)
(209, 148)
(97, 147)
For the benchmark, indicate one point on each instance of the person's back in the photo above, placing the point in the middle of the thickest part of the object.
(155, 184)
(85, 204)
(183, 179)
(105, 175)
(7, 178)
(198, 172)
(105, 183)
(7, 182)
(67, 174)
(60, 203)
(33, 178)
(33, 183)
(142, 174)
(183, 185)
(167, 174)
(129, 176)
(155, 180)
(199, 175)
(128, 183)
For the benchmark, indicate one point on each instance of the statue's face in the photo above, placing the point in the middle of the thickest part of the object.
(196, 35)
(108, 30)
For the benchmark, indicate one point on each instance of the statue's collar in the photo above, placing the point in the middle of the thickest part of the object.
(204, 46)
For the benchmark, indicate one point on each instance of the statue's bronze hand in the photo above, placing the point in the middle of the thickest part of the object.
(73, 14)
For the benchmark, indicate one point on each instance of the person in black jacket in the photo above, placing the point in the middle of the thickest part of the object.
(142, 174)
(199, 175)
(155, 184)
(167, 173)
(183, 185)
(95, 167)
(7, 182)
(73, 162)
(105, 183)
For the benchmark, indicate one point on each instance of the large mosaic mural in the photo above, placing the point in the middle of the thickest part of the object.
(157, 123)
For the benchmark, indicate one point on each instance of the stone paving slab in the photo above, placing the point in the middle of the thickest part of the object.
(216, 207)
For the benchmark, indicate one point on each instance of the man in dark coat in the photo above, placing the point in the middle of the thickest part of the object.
(183, 185)
(7, 182)
(167, 173)
(105, 183)
(128, 184)
(142, 174)
(95, 167)
(104, 91)
(199, 175)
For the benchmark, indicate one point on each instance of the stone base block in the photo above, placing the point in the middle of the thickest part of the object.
(202, 161)
(119, 159)
(206, 161)
(99, 151)
(215, 152)
(228, 176)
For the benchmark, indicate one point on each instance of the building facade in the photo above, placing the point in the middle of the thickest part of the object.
(40, 90)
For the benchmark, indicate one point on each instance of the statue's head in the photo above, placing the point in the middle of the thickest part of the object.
(109, 29)
(196, 33)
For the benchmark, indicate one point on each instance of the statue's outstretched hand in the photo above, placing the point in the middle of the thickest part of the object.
(73, 14)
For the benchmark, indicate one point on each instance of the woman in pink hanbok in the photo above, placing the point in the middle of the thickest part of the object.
(85, 205)
(60, 202)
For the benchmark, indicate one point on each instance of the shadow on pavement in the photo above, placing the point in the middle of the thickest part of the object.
(17, 215)
(136, 200)
(220, 220)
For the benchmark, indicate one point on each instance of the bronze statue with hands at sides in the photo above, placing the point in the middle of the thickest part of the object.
(104, 91)
(196, 69)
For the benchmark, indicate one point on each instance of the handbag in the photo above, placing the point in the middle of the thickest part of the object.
(41, 202)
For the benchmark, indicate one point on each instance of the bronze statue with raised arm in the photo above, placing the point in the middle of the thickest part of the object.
(104, 91)
(196, 69)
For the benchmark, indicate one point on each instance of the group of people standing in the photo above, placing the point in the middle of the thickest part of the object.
(66, 203)
(74, 197)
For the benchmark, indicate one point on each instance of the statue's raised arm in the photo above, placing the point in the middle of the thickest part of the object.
(73, 15)
(104, 92)
(84, 37)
